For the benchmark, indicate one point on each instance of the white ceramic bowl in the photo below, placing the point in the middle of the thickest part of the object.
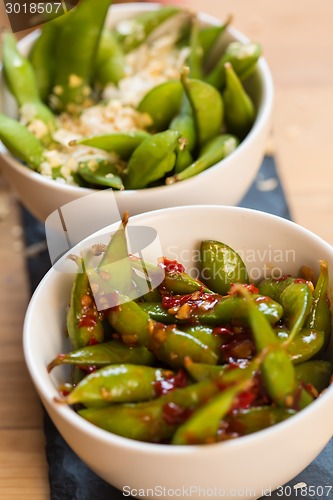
(263, 460)
(225, 183)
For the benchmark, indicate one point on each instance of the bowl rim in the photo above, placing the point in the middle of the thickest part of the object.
(73, 419)
(263, 116)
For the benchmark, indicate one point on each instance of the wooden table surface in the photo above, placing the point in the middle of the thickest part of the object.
(298, 44)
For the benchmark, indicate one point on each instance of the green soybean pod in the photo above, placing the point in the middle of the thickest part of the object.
(207, 106)
(320, 315)
(154, 158)
(242, 56)
(305, 345)
(209, 35)
(123, 383)
(121, 143)
(41, 55)
(213, 152)
(296, 301)
(21, 80)
(202, 426)
(255, 419)
(111, 62)
(84, 325)
(131, 33)
(147, 421)
(318, 373)
(162, 104)
(21, 142)
(106, 353)
(221, 266)
(100, 172)
(76, 52)
(239, 108)
(184, 124)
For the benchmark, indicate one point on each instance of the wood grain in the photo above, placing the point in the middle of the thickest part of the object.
(23, 469)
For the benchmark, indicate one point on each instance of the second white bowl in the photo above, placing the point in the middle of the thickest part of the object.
(251, 464)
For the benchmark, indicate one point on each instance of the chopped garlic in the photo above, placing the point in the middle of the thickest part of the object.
(75, 81)
(38, 128)
(58, 90)
(149, 66)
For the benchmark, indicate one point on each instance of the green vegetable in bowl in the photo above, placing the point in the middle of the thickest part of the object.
(90, 95)
(210, 360)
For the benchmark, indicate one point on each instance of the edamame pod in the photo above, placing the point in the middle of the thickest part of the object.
(215, 311)
(249, 420)
(277, 369)
(172, 346)
(274, 287)
(124, 383)
(115, 269)
(242, 56)
(121, 143)
(213, 152)
(167, 342)
(184, 124)
(19, 74)
(157, 312)
(207, 106)
(184, 160)
(295, 297)
(200, 371)
(41, 56)
(202, 426)
(100, 172)
(131, 322)
(152, 159)
(317, 373)
(79, 40)
(131, 33)
(320, 316)
(107, 353)
(176, 280)
(305, 345)
(83, 322)
(196, 52)
(279, 376)
(111, 62)
(182, 283)
(221, 266)
(209, 35)
(22, 83)
(21, 142)
(296, 300)
(153, 421)
(239, 108)
(205, 334)
(162, 104)
(201, 43)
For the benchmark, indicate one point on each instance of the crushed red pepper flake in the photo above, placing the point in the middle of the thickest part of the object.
(173, 414)
(234, 288)
(170, 265)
